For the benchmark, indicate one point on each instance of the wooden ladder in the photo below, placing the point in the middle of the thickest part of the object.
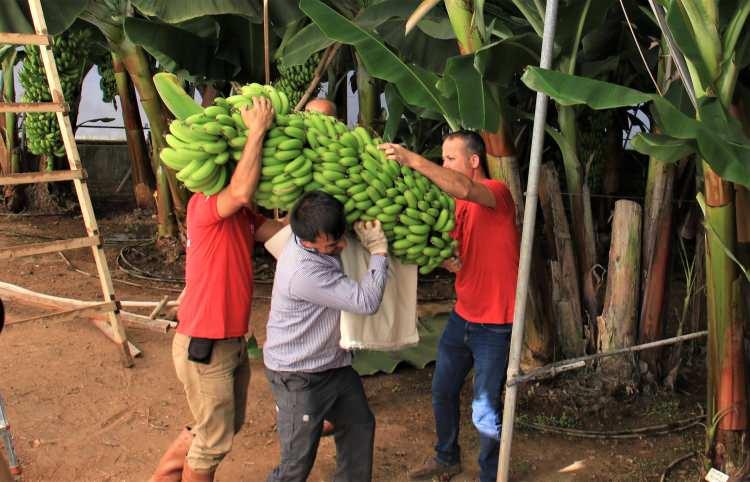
(113, 328)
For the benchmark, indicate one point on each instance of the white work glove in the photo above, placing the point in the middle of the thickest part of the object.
(372, 237)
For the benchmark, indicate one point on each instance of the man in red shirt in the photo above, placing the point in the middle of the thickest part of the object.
(209, 350)
(478, 330)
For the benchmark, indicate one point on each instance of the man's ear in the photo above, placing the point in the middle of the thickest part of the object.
(475, 163)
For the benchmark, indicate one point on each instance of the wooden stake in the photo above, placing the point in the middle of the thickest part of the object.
(617, 326)
(566, 295)
(159, 307)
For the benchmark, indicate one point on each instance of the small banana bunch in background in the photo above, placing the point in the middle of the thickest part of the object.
(71, 50)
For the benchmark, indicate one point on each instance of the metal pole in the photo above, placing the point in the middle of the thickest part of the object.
(527, 244)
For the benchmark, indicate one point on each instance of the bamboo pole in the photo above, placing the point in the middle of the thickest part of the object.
(580, 362)
(527, 243)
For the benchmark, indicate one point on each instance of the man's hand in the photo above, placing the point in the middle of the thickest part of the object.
(372, 237)
(398, 153)
(452, 264)
(260, 117)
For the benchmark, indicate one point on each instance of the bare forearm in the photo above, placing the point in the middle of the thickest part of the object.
(247, 173)
(451, 182)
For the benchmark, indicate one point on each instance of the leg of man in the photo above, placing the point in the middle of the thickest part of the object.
(489, 345)
(454, 361)
(241, 385)
(210, 390)
(453, 364)
(302, 400)
(355, 428)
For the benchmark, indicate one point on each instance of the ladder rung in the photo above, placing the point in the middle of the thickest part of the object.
(37, 177)
(33, 107)
(24, 38)
(51, 247)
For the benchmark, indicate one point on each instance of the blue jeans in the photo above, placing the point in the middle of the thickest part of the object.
(465, 345)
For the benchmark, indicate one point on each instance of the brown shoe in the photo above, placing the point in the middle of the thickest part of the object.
(432, 467)
(190, 475)
(171, 463)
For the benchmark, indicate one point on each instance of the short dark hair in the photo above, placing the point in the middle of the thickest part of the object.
(474, 144)
(318, 213)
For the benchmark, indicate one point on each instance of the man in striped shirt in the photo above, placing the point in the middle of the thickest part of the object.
(311, 376)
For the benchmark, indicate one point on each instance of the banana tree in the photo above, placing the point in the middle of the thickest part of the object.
(715, 50)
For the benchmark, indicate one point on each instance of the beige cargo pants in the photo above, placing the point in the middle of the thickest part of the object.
(217, 396)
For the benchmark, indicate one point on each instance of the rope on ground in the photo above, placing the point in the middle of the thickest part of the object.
(121, 281)
(661, 429)
(675, 463)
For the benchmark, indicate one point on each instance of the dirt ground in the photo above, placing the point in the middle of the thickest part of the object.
(77, 415)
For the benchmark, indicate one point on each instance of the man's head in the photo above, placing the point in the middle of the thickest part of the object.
(324, 106)
(318, 220)
(465, 152)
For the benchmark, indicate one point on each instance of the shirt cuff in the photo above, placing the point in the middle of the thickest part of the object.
(378, 262)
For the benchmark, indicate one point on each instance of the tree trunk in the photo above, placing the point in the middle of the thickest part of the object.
(142, 174)
(657, 228)
(566, 298)
(617, 326)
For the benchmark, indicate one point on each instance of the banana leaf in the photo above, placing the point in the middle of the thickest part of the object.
(704, 57)
(59, 15)
(664, 148)
(395, 112)
(418, 48)
(718, 137)
(170, 11)
(477, 108)
(417, 86)
(226, 47)
(311, 39)
(367, 362)
(304, 44)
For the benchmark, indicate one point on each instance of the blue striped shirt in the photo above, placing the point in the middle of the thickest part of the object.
(309, 292)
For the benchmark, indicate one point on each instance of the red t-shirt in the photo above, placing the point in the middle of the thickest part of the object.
(218, 270)
(488, 245)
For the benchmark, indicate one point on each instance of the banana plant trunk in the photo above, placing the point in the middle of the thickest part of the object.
(727, 398)
(369, 100)
(12, 193)
(9, 94)
(580, 210)
(142, 173)
(134, 60)
(657, 228)
(503, 165)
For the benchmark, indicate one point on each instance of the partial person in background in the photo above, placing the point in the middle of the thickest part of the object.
(478, 330)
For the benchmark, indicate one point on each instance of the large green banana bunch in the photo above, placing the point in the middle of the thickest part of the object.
(71, 50)
(310, 151)
(295, 79)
